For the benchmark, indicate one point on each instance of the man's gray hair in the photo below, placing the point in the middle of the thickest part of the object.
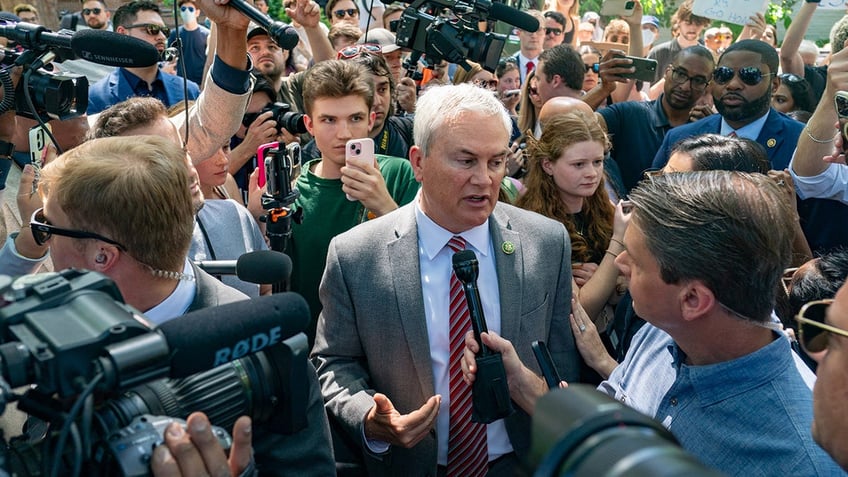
(443, 105)
(730, 230)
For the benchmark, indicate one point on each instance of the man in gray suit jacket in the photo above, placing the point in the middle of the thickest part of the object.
(382, 346)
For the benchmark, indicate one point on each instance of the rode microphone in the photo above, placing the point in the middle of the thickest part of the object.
(260, 266)
(490, 391)
(284, 35)
(113, 49)
(204, 339)
(494, 10)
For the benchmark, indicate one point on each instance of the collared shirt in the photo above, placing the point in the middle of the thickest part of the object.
(749, 131)
(141, 88)
(832, 183)
(177, 303)
(747, 417)
(435, 260)
(522, 65)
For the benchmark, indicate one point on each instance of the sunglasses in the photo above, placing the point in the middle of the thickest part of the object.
(152, 29)
(791, 78)
(553, 31)
(750, 75)
(353, 51)
(351, 12)
(42, 231)
(593, 67)
(679, 76)
(89, 11)
(186, 8)
(812, 330)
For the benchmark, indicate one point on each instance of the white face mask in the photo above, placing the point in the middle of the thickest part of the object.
(648, 37)
(187, 16)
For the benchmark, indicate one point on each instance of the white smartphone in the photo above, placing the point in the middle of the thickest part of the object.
(360, 152)
(511, 93)
(622, 8)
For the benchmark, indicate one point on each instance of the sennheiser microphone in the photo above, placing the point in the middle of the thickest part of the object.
(113, 49)
(260, 267)
(205, 339)
(490, 391)
(284, 35)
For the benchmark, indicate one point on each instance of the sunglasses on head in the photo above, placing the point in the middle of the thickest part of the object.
(42, 231)
(152, 29)
(750, 75)
(813, 332)
(188, 8)
(89, 11)
(553, 31)
(351, 12)
(353, 51)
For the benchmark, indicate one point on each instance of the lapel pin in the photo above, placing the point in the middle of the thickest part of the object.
(508, 248)
(771, 142)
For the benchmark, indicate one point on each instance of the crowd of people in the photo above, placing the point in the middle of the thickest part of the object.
(677, 242)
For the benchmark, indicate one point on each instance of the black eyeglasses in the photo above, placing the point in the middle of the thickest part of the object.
(750, 75)
(152, 29)
(351, 12)
(42, 231)
(812, 330)
(553, 31)
(89, 11)
(679, 76)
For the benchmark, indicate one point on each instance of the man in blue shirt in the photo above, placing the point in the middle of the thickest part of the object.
(141, 19)
(704, 252)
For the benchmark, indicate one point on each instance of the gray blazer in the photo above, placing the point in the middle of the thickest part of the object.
(372, 335)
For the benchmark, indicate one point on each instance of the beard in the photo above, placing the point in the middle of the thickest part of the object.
(747, 110)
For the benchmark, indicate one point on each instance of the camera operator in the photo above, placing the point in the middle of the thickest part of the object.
(195, 451)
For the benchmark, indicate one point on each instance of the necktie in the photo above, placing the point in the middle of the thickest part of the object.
(468, 454)
(530, 66)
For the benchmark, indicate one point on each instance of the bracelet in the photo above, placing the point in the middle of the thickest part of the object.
(613, 239)
(815, 139)
(614, 255)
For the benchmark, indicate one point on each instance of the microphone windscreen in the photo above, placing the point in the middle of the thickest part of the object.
(207, 338)
(113, 49)
(514, 17)
(285, 36)
(264, 266)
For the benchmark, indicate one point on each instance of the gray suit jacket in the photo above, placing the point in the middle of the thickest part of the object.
(372, 335)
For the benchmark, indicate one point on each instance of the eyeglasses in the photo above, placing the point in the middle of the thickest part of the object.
(651, 174)
(791, 78)
(812, 330)
(679, 76)
(89, 11)
(42, 231)
(553, 31)
(351, 12)
(151, 28)
(593, 67)
(750, 75)
(786, 278)
(353, 51)
(187, 8)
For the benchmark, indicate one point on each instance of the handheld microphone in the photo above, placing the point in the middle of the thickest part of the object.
(466, 267)
(284, 35)
(260, 266)
(490, 391)
(205, 339)
(113, 49)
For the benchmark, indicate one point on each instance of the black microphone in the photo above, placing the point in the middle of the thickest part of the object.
(284, 35)
(260, 266)
(31, 36)
(466, 268)
(113, 49)
(490, 391)
(204, 339)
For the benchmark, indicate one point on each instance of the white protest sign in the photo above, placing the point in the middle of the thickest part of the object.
(730, 11)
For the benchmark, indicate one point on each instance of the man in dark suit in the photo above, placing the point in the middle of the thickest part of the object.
(384, 346)
(140, 19)
(743, 82)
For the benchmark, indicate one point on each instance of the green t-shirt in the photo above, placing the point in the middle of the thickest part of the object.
(327, 213)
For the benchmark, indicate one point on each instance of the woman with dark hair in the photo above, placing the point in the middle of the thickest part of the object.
(713, 152)
(793, 94)
(565, 182)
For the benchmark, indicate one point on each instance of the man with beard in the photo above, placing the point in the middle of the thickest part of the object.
(637, 128)
(743, 83)
(689, 31)
(94, 14)
(141, 19)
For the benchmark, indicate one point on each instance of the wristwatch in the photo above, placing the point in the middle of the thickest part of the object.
(6, 150)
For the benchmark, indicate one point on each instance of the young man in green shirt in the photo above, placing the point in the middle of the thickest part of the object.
(338, 97)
